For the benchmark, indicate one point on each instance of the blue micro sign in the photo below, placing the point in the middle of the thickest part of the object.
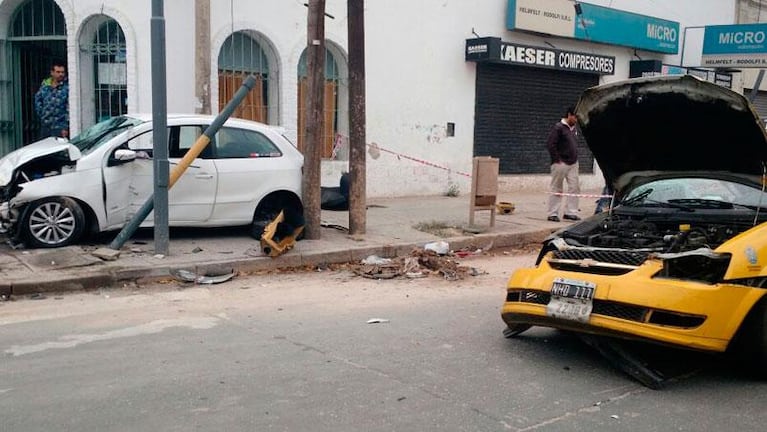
(595, 24)
(741, 45)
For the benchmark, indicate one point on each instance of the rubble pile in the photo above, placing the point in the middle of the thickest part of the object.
(420, 263)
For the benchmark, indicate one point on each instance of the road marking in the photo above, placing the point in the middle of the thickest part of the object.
(71, 341)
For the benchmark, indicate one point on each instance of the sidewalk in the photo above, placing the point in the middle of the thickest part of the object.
(390, 232)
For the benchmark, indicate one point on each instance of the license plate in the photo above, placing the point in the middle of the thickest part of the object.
(571, 299)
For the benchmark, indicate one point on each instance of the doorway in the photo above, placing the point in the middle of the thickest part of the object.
(36, 39)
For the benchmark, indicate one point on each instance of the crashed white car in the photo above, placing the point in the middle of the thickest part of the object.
(54, 191)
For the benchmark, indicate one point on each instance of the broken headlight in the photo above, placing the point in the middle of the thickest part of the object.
(701, 265)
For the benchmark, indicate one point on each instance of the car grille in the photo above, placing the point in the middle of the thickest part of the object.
(616, 310)
(597, 261)
(632, 258)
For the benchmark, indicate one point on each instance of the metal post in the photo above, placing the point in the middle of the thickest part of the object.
(184, 163)
(159, 129)
(357, 124)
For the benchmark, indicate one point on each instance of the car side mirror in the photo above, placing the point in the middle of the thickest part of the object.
(122, 156)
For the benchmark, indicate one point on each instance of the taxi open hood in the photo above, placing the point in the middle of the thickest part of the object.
(671, 124)
(17, 158)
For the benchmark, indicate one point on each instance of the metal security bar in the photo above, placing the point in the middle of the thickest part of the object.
(240, 56)
(331, 109)
(37, 18)
(110, 71)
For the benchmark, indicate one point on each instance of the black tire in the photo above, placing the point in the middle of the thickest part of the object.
(751, 345)
(53, 222)
(515, 329)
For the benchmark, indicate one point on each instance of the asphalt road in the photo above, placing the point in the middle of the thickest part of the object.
(294, 352)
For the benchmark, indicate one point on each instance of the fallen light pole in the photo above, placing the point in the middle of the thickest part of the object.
(184, 163)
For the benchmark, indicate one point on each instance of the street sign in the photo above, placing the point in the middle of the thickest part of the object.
(737, 46)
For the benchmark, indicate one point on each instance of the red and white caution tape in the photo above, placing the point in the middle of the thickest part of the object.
(580, 195)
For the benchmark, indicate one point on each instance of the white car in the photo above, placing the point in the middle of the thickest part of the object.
(54, 191)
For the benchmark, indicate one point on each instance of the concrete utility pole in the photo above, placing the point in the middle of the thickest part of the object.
(315, 56)
(159, 129)
(202, 55)
(357, 123)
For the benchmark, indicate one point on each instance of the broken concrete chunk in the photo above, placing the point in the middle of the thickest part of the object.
(106, 254)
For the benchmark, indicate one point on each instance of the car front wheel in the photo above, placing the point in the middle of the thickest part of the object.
(53, 222)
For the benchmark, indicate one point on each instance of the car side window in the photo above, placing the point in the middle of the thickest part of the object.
(182, 138)
(142, 145)
(232, 143)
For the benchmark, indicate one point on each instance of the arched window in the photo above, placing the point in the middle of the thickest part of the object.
(241, 55)
(330, 110)
(38, 18)
(109, 70)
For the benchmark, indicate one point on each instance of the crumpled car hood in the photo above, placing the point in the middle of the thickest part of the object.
(671, 123)
(48, 146)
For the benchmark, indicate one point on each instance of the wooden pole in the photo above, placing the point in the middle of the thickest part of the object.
(357, 122)
(315, 55)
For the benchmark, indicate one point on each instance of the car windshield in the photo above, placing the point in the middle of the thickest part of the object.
(101, 132)
(696, 193)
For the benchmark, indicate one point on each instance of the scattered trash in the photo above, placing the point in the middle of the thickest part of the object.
(377, 321)
(197, 250)
(38, 296)
(159, 256)
(136, 250)
(188, 276)
(281, 233)
(614, 416)
(401, 398)
(375, 260)
(504, 207)
(440, 247)
(420, 263)
(334, 226)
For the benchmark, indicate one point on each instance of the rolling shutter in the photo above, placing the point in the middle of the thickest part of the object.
(515, 108)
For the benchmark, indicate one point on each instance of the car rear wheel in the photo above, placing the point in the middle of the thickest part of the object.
(53, 222)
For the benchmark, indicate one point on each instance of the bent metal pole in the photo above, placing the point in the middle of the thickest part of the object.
(184, 163)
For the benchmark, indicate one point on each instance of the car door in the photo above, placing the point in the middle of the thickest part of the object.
(249, 164)
(190, 200)
(117, 177)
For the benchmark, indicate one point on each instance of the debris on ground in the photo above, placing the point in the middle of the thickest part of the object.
(420, 263)
(440, 247)
(376, 260)
(189, 276)
(377, 321)
(106, 254)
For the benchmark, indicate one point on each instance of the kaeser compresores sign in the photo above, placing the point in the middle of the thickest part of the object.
(738, 46)
(595, 24)
(491, 49)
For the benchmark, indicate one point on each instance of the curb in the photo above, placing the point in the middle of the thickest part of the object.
(115, 277)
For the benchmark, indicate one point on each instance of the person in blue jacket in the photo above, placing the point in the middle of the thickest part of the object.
(52, 103)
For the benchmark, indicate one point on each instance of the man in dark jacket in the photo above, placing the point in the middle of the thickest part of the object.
(52, 103)
(563, 149)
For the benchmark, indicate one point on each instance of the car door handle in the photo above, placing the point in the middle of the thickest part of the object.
(204, 176)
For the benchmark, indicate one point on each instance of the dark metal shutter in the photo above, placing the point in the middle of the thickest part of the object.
(516, 106)
(760, 102)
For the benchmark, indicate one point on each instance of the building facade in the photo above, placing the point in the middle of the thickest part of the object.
(433, 101)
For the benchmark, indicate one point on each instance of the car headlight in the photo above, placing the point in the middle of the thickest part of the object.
(702, 265)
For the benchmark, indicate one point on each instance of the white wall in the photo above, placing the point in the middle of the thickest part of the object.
(417, 79)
